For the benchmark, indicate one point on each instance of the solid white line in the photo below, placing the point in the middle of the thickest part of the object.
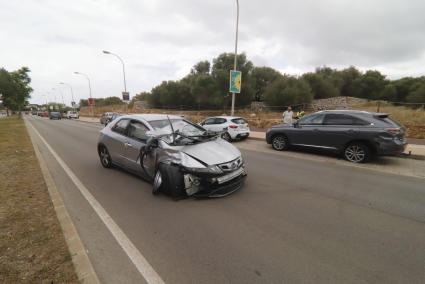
(142, 265)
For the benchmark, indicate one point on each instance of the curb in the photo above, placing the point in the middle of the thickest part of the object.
(83, 267)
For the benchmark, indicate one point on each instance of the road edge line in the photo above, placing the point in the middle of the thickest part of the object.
(139, 261)
(82, 264)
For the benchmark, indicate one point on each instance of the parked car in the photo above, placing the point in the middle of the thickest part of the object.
(357, 135)
(107, 117)
(179, 157)
(44, 114)
(55, 115)
(72, 114)
(230, 127)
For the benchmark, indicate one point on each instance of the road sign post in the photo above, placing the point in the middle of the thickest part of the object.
(235, 81)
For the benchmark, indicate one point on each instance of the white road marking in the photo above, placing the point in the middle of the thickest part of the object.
(142, 265)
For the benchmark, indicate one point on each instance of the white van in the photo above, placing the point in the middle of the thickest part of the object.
(72, 114)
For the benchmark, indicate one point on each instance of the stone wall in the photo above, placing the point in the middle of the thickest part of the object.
(336, 103)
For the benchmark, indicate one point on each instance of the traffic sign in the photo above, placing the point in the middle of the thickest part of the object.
(125, 96)
(235, 81)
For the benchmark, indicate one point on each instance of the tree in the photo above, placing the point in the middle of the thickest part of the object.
(321, 86)
(202, 67)
(262, 78)
(389, 93)
(372, 83)
(15, 88)
(288, 91)
(417, 93)
(350, 81)
(221, 69)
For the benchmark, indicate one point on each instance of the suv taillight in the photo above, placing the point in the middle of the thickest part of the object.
(233, 126)
(394, 131)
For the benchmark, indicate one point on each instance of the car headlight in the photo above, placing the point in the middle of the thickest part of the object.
(193, 166)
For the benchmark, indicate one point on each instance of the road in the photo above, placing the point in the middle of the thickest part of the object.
(295, 221)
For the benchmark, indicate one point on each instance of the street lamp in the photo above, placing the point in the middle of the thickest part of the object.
(72, 94)
(236, 53)
(88, 79)
(123, 67)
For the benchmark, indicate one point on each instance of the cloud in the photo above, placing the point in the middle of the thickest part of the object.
(161, 40)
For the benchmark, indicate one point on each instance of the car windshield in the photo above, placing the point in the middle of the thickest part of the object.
(186, 132)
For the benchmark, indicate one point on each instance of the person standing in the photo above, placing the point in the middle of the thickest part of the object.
(288, 116)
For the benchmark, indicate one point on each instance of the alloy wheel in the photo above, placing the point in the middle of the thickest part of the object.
(226, 136)
(355, 153)
(279, 143)
(105, 158)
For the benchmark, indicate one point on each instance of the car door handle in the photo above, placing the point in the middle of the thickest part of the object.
(126, 144)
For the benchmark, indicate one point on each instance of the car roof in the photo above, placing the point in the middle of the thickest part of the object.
(345, 111)
(151, 116)
(226, 117)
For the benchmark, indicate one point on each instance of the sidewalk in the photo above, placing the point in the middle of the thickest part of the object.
(414, 149)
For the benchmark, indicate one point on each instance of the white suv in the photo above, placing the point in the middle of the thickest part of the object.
(232, 127)
(72, 114)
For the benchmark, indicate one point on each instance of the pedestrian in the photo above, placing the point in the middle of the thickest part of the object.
(288, 116)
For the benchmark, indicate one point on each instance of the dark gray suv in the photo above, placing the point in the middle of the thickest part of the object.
(357, 135)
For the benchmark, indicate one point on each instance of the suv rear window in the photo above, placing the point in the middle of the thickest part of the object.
(386, 119)
(239, 120)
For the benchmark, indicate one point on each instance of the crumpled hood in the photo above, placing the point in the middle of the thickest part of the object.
(213, 152)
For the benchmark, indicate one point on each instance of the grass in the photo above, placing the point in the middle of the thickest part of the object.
(32, 246)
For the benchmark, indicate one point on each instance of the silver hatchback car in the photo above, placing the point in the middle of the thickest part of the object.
(179, 157)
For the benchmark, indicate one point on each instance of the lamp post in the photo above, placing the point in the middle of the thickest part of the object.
(88, 79)
(123, 66)
(72, 94)
(235, 63)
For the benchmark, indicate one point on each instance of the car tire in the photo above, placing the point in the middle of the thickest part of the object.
(226, 136)
(170, 182)
(105, 157)
(357, 152)
(280, 142)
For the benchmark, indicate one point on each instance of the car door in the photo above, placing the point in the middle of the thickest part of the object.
(306, 131)
(116, 140)
(136, 139)
(338, 129)
(209, 124)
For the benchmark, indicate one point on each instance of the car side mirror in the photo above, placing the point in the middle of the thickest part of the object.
(151, 143)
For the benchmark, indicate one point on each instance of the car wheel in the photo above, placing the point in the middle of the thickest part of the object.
(226, 136)
(168, 179)
(105, 157)
(357, 153)
(280, 142)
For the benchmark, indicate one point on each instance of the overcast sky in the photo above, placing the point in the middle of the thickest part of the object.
(162, 39)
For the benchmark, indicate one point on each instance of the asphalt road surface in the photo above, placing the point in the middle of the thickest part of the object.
(295, 221)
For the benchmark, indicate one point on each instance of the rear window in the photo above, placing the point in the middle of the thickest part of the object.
(387, 120)
(239, 121)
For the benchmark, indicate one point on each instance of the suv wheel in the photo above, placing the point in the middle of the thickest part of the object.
(357, 153)
(105, 157)
(280, 142)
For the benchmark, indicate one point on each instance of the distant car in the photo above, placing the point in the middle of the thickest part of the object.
(72, 114)
(55, 115)
(357, 135)
(107, 117)
(44, 114)
(230, 127)
(179, 157)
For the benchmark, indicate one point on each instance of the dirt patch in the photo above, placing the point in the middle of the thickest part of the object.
(32, 246)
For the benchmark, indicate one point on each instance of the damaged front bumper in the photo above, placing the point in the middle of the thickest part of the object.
(203, 186)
